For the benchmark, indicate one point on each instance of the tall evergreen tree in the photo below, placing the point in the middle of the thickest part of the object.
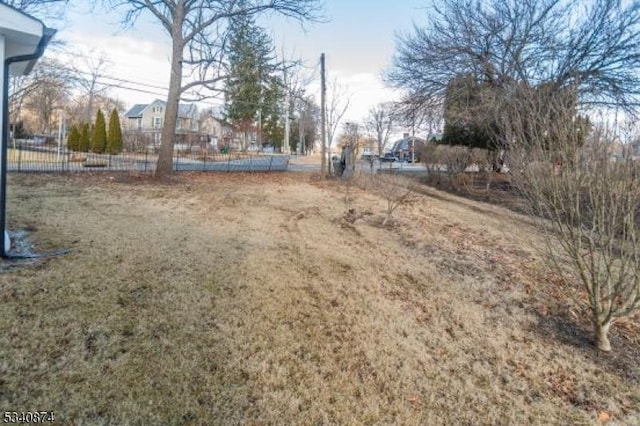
(114, 135)
(99, 134)
(85, 138)
(251, 63)
(468, 113)
(73, 139)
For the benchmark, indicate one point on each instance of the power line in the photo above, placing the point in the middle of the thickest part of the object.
(126, 84)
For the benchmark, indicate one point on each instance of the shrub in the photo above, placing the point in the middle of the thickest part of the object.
(587, 204)
(85, 138)
(73, 139)
(114, 136)
(99, 134)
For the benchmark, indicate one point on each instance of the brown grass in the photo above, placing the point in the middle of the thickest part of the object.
(226, 299)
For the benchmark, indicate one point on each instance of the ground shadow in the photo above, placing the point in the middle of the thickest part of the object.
(621, 361)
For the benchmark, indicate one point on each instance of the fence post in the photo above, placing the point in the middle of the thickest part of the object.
(270, 161)
(19, 158)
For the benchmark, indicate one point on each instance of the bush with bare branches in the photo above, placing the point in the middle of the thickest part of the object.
(587, 203)
(395, 189)
(431, 159)
(484, 159)
(456, 159)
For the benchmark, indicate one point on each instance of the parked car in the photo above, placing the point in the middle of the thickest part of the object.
(389, 157)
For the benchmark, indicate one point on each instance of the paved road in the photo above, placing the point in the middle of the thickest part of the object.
(254, 164)
(294, 166)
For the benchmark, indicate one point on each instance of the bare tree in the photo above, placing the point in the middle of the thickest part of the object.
(76, 108)
(43, 9)
(338, 100)
(307, 121)
(588, 204)
(295, 80)
(46, 91)
(380, 123)
(591, 46)
(88, 79)
(21, 86)
(419, 116)
(198, 30)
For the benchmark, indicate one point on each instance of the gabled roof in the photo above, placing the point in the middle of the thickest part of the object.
(184, 110)
(136, 111)
(187, 110)
(405, 143)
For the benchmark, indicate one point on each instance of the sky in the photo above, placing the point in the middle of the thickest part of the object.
(358, 39)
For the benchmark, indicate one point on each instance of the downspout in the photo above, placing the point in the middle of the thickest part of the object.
(46, 36)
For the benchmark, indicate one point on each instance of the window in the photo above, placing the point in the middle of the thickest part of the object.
(157, 122)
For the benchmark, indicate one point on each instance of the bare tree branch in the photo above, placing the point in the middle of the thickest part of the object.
(588, 203)
(198, 31)
(593, 46)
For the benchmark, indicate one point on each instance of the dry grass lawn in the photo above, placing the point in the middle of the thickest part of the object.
(32, 157)
(254, 299)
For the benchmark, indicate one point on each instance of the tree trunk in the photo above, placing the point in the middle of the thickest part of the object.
(164, 166)
(602, 339)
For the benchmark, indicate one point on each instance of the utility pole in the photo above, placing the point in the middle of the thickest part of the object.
(323, 119)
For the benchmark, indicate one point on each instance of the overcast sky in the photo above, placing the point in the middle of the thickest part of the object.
(358, 41)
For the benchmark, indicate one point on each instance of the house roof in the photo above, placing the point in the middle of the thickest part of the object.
(136, 111)
(184, 110)
(405, 143)
(25, 39)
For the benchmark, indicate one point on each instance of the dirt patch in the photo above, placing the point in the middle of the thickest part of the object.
(262, 298)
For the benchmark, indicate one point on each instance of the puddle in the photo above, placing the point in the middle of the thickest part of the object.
(21, 244)
(21, 252)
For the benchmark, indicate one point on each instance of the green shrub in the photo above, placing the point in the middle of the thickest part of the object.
(85, 138)
(114, 136)
(99, 134)
(73, 139)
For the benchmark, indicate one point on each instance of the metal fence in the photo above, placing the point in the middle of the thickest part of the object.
(34, 158)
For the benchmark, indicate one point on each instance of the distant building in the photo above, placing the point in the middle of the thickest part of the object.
(149, 119)
(409, 148)
(220, 133)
